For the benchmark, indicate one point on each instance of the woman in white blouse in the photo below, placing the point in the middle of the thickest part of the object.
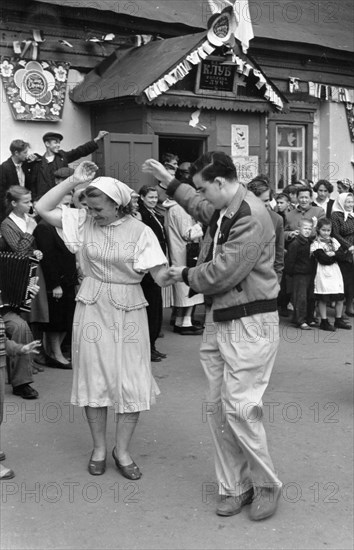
(111, 349)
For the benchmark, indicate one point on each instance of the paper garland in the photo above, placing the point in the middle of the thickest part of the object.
(338, 94)
(197, 56)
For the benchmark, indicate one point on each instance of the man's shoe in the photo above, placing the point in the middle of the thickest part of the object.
(6, 473)
(230, 506)
(349, 313)
(304, 326)
(155, 358)
(326, 325)
(340, 323)
(2, 455)
(159, 354)
(25, 391)
(188, 331)
(265, 502)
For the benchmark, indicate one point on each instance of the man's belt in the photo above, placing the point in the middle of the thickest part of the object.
(244, 310)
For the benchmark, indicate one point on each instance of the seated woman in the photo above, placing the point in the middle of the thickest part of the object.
(110, 344)
(152, 291)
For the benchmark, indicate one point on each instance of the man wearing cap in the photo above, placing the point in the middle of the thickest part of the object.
(55, 158)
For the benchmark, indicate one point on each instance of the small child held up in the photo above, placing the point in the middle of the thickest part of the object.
(299, 266)
(329, 285)
(9, 347)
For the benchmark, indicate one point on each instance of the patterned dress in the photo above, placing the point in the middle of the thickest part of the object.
(111, 349)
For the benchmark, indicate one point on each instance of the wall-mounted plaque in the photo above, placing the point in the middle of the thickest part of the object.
(214, 78)
(35, 90)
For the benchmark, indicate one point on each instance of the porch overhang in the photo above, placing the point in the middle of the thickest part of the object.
(149, 74)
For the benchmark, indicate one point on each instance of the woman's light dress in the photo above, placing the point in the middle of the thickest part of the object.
(111, 349)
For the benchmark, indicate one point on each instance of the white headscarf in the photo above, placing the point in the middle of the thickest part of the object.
(118, 191)
(338, 205)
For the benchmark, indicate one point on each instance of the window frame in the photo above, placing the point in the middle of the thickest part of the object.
(297, 119)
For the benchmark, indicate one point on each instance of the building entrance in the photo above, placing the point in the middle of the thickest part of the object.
(187, 149)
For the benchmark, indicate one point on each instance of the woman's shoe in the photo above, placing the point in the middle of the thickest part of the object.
(304, 326)
(55, 364)
(96, 467)
(130, 472)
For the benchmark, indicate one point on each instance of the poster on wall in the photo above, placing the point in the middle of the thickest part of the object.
(239, 140)
(246, 167)
(35, 90)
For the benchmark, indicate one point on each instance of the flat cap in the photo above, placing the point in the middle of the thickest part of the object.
(52, 135)
(64, 172)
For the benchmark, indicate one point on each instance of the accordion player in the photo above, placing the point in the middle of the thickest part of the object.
(17, 275)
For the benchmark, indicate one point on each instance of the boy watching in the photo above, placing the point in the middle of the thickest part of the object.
(283, 205)
(300, 267)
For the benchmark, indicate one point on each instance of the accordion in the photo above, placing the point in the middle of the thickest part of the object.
(17, 275)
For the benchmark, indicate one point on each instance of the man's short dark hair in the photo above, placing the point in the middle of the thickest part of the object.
(283, 196)
(214, 164)
(304, 189)
(18, 145)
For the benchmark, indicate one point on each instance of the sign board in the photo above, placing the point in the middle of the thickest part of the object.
(247, 168)
(215, 77)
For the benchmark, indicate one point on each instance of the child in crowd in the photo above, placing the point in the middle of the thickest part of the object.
(299, 266)
(329, 285)
(291, 192)
(283, 205)
(9, 347)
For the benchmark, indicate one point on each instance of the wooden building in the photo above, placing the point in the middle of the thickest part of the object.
(285, 108)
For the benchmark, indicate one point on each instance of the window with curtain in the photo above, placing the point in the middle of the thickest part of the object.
(290, 154)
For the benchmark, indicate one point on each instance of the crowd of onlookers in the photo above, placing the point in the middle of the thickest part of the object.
(314, 251)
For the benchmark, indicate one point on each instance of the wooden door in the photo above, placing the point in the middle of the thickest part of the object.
(124, 154)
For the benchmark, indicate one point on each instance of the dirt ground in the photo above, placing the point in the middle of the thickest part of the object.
(53, 502)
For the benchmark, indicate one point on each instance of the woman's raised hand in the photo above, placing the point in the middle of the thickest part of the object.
(85, 172)
(156, 169)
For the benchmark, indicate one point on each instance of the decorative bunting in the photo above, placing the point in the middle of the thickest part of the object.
(35, 91)
(196, 57)
(338, 94)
